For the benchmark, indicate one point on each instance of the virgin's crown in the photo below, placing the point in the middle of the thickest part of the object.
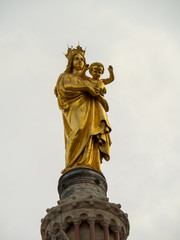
(73, 51)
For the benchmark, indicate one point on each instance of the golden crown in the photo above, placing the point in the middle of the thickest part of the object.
(73, 51)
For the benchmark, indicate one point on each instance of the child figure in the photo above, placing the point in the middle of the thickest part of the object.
(96, 70)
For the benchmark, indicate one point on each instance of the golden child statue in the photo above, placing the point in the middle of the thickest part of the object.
(96, 70)
(86, 126)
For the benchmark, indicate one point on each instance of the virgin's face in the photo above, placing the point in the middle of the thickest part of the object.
(78, 62)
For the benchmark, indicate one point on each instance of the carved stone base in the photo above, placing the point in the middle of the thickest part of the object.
(84, 212)
(82, 181)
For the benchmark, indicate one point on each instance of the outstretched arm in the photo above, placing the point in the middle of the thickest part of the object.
(111, 76)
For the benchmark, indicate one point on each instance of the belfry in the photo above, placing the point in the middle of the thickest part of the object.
(84, 211)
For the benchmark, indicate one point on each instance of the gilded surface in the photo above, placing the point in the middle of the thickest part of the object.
(86, 126)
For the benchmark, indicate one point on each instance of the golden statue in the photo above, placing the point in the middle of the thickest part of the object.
(81, 100)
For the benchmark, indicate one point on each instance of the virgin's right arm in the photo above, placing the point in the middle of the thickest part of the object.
(82, 88)
(77, 85)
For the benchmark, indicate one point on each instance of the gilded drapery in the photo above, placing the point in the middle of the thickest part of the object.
(86, 126)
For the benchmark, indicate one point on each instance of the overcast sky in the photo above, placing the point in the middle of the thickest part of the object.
(141, 40)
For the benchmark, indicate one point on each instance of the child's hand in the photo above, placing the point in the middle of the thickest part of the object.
(97, 90)
(86, 67)
(102, 91)
(93, 91)
(84, 70)
(110, 68)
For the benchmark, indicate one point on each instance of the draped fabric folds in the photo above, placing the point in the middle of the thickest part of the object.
(86, 126)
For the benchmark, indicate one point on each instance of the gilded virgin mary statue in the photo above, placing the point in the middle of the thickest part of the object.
(84, 111)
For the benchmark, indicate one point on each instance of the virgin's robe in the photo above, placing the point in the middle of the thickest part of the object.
(86, 126)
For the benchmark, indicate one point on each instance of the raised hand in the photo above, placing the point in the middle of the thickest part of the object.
(110, 68)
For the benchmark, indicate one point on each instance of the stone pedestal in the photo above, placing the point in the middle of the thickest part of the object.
(84, 212)
(82, 181)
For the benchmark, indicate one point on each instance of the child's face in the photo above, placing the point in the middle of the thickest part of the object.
(96, 72)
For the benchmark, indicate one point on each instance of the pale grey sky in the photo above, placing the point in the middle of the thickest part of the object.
(141, 40)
